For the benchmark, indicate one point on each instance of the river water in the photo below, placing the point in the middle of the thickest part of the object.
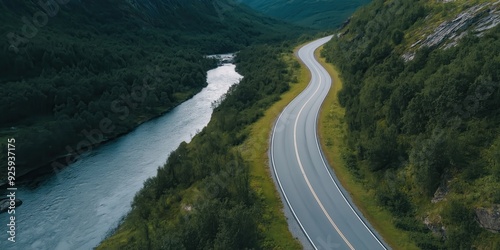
(79, 206)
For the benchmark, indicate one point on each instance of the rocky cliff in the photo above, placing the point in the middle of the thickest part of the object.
(474, 20)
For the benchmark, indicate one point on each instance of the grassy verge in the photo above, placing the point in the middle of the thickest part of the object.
(255, 151)
(205, 196)
(332, 131)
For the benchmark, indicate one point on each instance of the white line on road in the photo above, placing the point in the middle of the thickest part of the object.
(319, 72)
(338, 188)
(281, 187)
(304, 173)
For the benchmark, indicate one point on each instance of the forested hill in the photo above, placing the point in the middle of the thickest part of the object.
(67, 67)
(319, 14)
(422, 99)
(200, 202)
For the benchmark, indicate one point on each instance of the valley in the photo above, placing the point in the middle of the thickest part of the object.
(102, 99)
(329, 14)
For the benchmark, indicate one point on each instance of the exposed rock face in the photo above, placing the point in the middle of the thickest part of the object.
(475, 20)
(442, 190)
(489, 218)
(436, 227)
(452, 29)
(440, 193)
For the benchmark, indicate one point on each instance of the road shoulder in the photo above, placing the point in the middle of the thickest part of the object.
(281, 230)
(332, 130)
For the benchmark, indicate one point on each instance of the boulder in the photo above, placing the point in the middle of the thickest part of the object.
(436, 226)
(489, 218)
(441, 192)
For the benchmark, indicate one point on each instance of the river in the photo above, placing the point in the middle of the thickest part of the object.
(79, 206)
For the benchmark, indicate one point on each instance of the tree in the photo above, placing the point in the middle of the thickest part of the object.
(397, 37)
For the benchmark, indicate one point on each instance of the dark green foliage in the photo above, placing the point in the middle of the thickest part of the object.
(462, 226)
(225, 212)
(114, 62)
(426, 118)
(397, 37)
(410, 224)
(319, 14)
(396, 201)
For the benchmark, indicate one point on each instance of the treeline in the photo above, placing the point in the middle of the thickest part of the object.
(416, 125)
(201, 198)
(66, 87)
(71, 89)
(309, 13)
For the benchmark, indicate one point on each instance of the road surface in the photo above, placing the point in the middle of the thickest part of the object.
(318, 203)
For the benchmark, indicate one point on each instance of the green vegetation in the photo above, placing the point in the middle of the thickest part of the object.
(417, 125)
(96, 69)
(312, 13)
(206, 196)
(255, 151)
(333, 136)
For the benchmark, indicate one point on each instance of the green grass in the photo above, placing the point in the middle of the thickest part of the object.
(332, 132)
(255, 151)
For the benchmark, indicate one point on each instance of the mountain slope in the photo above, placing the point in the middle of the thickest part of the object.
(422, 99)
(206, 196)
(66, 68)
(312, 13)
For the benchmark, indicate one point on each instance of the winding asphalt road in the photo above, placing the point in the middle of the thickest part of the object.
(317, 201)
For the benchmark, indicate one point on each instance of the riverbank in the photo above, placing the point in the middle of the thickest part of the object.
(207, 188)
(95, 192)
(31, 176)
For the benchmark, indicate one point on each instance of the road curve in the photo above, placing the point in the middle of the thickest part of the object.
(318, 203)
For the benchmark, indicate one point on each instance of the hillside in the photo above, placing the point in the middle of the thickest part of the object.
(422, 98)
(76, 74)
(200, 202)
(319, 14)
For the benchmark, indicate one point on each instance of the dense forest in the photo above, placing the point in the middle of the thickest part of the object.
(423, 130)
(78, 73)
(200, 202)
(324, 14)
(423, 123)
